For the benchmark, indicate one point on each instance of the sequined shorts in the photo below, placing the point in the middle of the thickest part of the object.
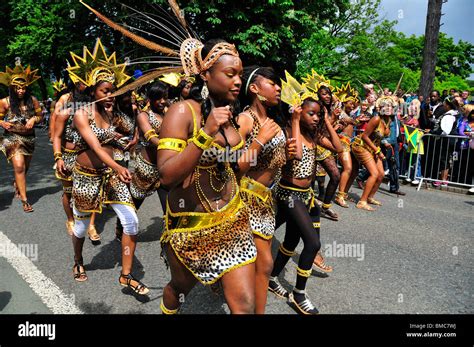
(211, 244)
(362, 154)
(12, 144)
(345, 142)
(259, 202)
(94, 187)
(145, 178)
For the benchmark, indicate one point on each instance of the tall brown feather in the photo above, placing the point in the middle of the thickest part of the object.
(146, 78)
(138, 39)
(177, 12)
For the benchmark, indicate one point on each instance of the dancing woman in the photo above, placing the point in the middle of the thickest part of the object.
(260, 164)
(97, 178)
(63, 148)
(366, 148)
(145, 178)
(207, 236)
(296, 207)
(344, 126)
(19, 112)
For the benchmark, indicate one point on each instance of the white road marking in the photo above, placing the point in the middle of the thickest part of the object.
(45, 288)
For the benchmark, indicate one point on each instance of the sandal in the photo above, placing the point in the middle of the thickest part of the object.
(27, 206)
(372, 201)
(330, 214)
(304, 306)
(79, 276)
(320, 264)
(92, 232)
(276, 288)
(139, 288)
(364, 206)
(340, 200)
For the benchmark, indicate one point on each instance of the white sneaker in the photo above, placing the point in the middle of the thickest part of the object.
(387, 172)
(415, 182)
(471, 190)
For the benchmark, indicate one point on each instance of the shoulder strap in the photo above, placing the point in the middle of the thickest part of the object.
(194, 118)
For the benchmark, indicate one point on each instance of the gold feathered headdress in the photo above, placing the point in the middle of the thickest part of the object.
(346, 93)
(314, 81)
(18, 76)
(59, 85)
(186, 57)
(97, 66)
(294, 93)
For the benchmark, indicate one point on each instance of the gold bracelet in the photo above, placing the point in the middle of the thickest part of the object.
(37, 119)
(151, 131)
(149, 138)
(378, 150)
(202, 140)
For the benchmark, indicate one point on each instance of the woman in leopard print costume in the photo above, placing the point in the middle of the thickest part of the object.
(145, 177)
(261, 163)
(19, 112)
(97, 178)
(297, 207)
(207, 235)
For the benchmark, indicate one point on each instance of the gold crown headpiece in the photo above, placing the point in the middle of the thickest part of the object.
(186, 59)
(294, 93)
(97, 66)
(18, 76)
(346, 93)
(59, 85)
(314, 81)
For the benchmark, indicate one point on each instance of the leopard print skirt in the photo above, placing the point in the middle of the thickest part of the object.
(93, 188)
(259, 202)
(69, 158)
(145, 178)
(12, 144)
(211, 244)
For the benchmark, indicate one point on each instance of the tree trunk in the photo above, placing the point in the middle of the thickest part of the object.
(433, 19)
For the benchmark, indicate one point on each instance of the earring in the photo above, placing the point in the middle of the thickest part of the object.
(261, 98)
(204, 92)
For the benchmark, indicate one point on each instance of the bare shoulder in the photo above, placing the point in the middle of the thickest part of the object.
(178, 119)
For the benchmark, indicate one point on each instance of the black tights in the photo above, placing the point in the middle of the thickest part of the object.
(299, 224)
(329, 165)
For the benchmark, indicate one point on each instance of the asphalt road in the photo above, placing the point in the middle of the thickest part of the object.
(414, 255)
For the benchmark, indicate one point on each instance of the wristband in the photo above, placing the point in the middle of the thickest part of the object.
(202, 140)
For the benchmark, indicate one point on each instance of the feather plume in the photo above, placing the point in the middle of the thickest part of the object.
(138, 39)
(146, 78)
(177, 12)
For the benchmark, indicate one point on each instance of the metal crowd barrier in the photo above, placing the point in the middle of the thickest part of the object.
(448, 152)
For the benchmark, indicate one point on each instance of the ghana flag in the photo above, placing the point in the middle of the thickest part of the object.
(413, 136)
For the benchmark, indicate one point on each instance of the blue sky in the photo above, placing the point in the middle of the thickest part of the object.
(458, 17)
(411, 15)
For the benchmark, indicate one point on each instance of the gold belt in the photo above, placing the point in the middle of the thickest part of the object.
(312, 202)
(192, 221)
(251, 186)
